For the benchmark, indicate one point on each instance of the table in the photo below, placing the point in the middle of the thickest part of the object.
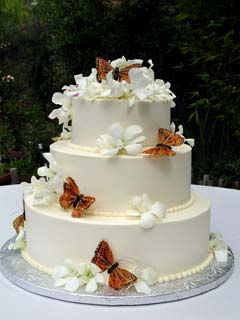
(222, 303)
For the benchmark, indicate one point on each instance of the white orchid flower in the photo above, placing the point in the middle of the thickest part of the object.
(190, 141)
(20, 242)
(66, 275)
(73, 277)
(145, 279)
(148, 212)
(122, 62)
(92, 275)
(143, 86)
(53, 173)
(218, 246)
(64, 113)
(120, 139)
(41, 190)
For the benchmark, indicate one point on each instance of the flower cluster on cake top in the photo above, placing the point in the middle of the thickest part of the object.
(141, 86)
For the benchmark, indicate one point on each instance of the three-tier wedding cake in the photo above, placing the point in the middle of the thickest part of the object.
(126, 209)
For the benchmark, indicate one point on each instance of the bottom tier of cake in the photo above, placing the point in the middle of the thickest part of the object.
(178, 243)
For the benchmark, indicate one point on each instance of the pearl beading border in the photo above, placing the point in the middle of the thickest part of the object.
(161, 279)
(169, 210)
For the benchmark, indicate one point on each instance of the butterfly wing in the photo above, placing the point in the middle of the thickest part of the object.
(18, 223)
(103, 67)
(70, 193)
(157, 152)
(124, 73)
(103, 256)
(121, 279)
(82, 205)
(169, 138)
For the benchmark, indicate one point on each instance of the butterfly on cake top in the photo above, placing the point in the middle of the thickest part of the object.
(117, 79)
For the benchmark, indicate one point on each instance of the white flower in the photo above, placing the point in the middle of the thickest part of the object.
(64, 113)
(119, 139)
(42, 191)
(53, 173)
(143, 86)
(73, 277)
(20, 242)
(218, 246)
(145, 279)
(122, 62)
(190, 141)
(148, 212)
(91, 274)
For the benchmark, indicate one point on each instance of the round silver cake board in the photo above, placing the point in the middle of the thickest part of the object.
(19, 272)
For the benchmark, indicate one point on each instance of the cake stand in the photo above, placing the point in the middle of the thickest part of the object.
(20, 273)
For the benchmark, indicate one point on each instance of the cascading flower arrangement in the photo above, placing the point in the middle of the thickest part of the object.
(142, 86)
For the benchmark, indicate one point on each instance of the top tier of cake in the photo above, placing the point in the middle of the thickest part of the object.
(91, 118)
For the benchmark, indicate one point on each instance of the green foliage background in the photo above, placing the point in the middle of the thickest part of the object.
(193, 44)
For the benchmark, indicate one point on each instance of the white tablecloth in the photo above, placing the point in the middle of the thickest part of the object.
(222, 303)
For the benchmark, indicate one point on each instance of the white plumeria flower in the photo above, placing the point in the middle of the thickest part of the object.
(20, 242)
(218, 246)
(148, 212)
(145, 279)
(119, 139)
(64, 113)
(92, 275)
(73, 277)
(53, 173)
(143, 86)
(122, 62)
(41, 190)
(190, 141)
(65, 275)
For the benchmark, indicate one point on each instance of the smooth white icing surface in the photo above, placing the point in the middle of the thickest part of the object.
(180, 242)
(114, 181)
(91, 118)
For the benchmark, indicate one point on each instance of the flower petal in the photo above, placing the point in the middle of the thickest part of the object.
(57, 98)
(94, 268)
(91, 285)
(60, 282)
(99, 277)
(72, 285)
(142, 286)
(158, 209)
(147, 220)
(131, 132)
(116, 130)
(190, 141)
(221, 255)
(133, 149)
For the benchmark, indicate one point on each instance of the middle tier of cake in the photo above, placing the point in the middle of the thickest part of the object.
(114, 181)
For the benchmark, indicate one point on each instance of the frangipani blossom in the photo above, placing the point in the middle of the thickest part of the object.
(120, 139)
(41, 190)
(190, 141)
(218, 246)
(20, 242)
(64, 113)
(53, 173)
(73, 277)
(143, 86)
(148, 212)
(145, 279)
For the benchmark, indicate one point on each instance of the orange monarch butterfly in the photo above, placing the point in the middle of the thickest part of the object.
(167, 139)
(119, 278)
(72, 197)
(103, 67)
